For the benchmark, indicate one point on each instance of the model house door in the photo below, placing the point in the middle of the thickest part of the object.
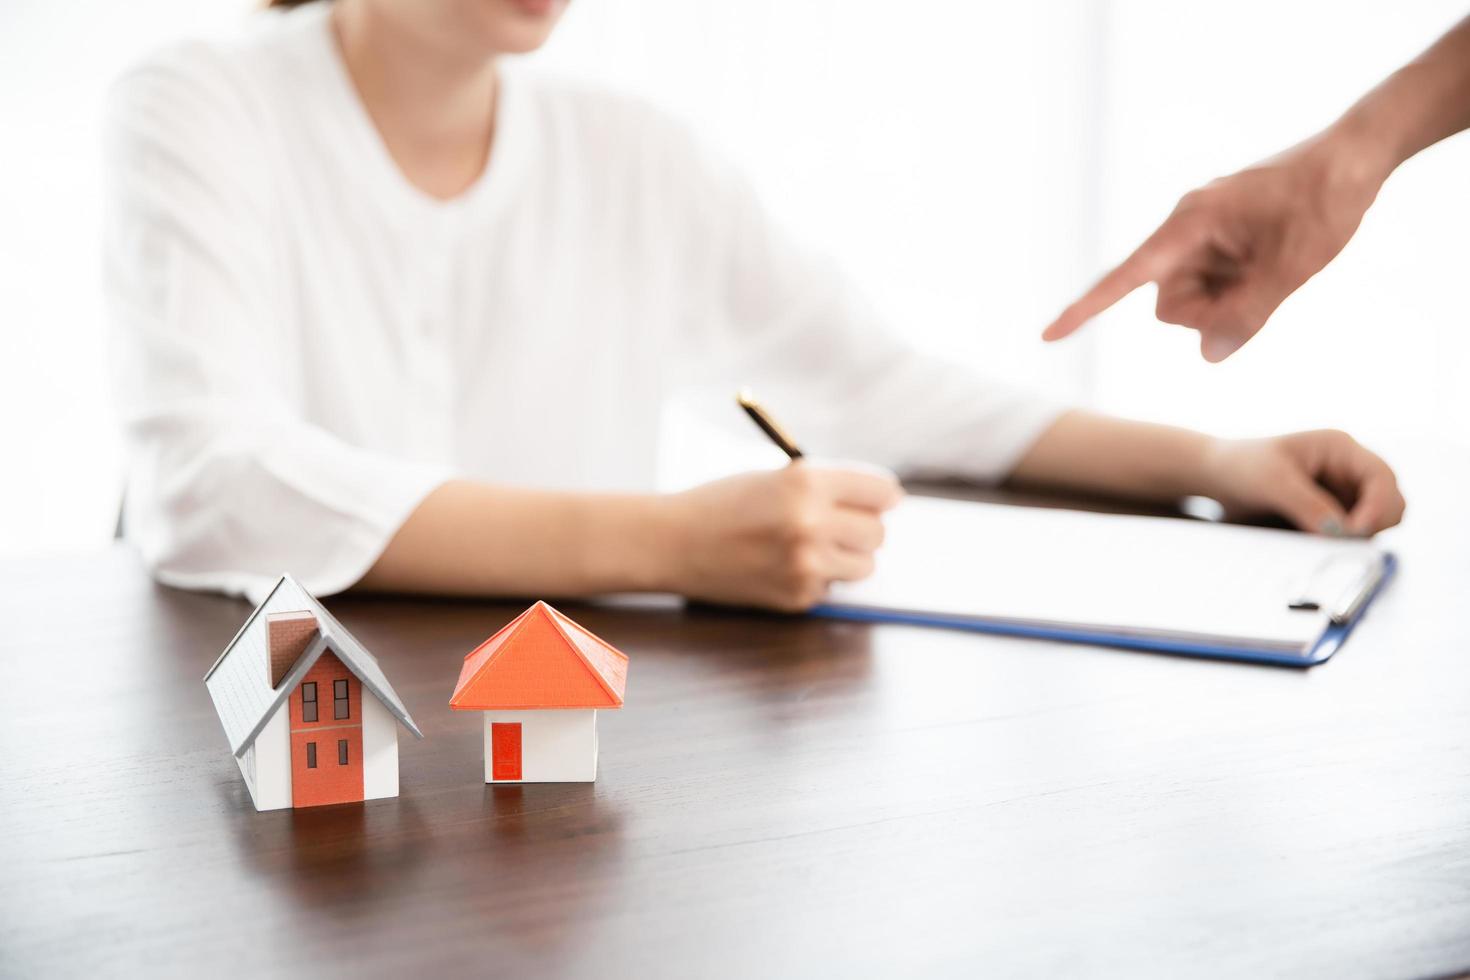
(505, 745)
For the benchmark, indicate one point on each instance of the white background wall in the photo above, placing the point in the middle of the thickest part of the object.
(973, 165)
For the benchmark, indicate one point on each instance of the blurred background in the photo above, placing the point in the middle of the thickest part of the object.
(972, 165)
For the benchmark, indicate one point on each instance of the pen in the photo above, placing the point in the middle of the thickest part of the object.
(768, 425)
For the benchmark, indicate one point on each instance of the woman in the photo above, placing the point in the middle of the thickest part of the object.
(394, 313)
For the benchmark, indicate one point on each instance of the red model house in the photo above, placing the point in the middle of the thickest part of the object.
(540, 682)
(310, 717)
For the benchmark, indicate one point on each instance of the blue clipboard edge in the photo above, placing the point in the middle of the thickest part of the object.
(1332, 639)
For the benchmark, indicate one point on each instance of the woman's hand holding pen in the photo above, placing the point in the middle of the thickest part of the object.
(778, 539)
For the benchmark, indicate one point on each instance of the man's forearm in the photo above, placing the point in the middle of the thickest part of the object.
(470, 538)
(1422, 103)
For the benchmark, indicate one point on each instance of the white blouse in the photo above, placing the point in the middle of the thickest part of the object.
(305, 345)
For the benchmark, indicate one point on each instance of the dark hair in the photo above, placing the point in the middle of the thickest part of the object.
(287, 4)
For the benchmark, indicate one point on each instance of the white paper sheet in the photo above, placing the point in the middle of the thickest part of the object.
(1115, 574)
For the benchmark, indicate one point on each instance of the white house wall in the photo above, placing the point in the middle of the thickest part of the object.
(272, 789)
(246, 762)
(379, 749)
(557, 746)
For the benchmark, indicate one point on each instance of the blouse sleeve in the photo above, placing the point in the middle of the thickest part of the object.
(788, 323)
(228, 486)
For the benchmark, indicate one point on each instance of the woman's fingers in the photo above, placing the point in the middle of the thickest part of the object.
(1308, 505)
(854, 529)
(869, 489)
(848, 566)
(1362, 490)
(1380, 505)
(850, 536)
(1374, 490)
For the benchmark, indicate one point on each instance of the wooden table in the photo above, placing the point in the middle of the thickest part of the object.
(779, 797)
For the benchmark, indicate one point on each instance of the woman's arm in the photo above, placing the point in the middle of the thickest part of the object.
(1092, 453)
(469, 538)
(779, 538)
(775, 538)
(1321, 481)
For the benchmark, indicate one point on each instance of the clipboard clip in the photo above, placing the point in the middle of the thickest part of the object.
(1340, 586)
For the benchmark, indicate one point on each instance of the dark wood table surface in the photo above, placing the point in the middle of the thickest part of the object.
(779, 797)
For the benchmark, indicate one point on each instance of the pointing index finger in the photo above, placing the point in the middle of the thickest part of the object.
(1150, 261)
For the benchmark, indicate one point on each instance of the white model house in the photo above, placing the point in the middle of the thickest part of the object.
(309, 715)
(540, 682)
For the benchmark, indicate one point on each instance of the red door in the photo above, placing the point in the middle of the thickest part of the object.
(505, 746)
(326, 735)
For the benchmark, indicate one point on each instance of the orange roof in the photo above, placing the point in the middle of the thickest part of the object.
(541, 660)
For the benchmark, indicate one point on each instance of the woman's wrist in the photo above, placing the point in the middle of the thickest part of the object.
(1186, 463)
(663, 542)
(1212, 468)
(636, 543)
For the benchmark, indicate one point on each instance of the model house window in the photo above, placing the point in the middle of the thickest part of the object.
(311, 755)
(341, 751)
(308, 703)
(341, 707)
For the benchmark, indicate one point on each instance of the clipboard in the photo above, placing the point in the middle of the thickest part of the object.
(1314, 591)
(1332, 639)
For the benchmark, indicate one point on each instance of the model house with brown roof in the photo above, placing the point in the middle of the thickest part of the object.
(540, 682)
(309, 715)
